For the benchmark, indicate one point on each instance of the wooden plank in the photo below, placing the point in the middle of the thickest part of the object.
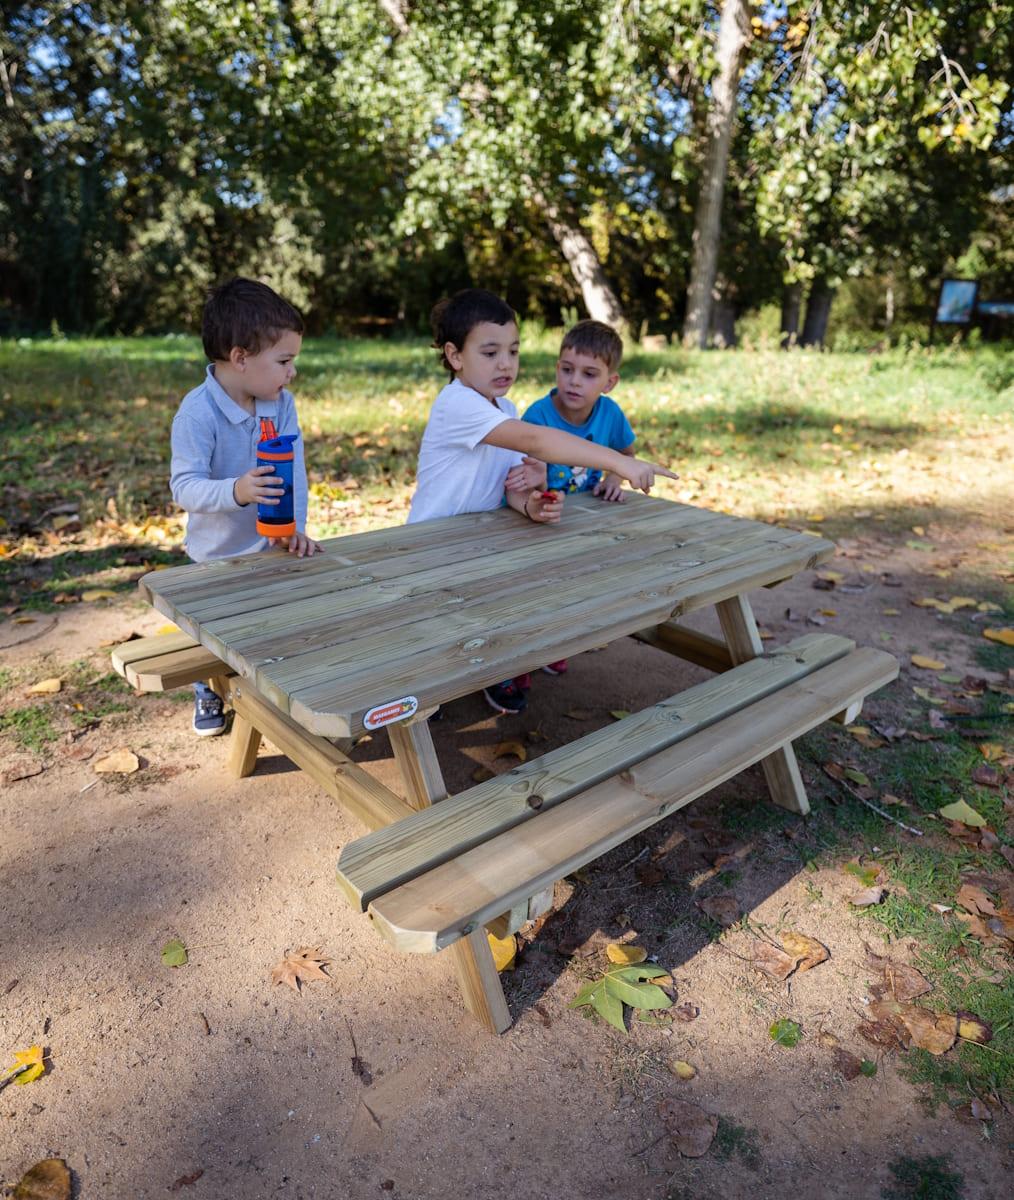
(363, 796)
(699, 648)
(168, 671)
(477, 976)
(149, 647)
(435, 909)
(780, 769)
(376, 863)
(244, 742)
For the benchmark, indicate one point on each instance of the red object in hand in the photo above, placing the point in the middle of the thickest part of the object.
(549, 495)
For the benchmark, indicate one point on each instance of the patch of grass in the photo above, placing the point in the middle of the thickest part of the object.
(928, 1178)
(30, 727)
(6, 678)
(737, 1141)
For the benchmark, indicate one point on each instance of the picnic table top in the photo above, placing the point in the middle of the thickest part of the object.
(429, 612)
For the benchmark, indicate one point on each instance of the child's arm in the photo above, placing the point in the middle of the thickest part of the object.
(545, 508)
(528, 474)
(190, 480)
(553, 445)
(610, 486)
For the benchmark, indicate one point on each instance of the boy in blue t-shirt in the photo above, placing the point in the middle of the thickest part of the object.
(587, 368)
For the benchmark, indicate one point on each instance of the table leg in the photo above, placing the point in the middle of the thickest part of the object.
(244, 739)
(480, 984)
(780, 768)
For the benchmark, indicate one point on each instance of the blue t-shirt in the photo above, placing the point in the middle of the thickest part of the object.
(606, 426)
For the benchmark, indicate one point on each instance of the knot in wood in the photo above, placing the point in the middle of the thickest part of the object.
(535, 801)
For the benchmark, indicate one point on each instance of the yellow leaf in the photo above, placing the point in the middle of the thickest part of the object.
(682, 1070)
(1004, 636)
(927, 664)
(930, 602)
(98, 594)
(45, 687)
(27, 1058)
(505, 749)
(892, 612)
(918, 531)
(831, 576)
(988, 606)
(990, 751)
(808, 950)
(960, 811)
(923, 694)
(828, 612)
(117, 762)
(957, 602)
(816, 518)
(168, 628)
(504, 951)
(625, 954)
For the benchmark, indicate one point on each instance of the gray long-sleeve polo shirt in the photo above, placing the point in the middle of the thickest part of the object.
(214, 441)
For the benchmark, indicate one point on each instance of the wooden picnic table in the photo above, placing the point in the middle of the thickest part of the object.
(384, 626)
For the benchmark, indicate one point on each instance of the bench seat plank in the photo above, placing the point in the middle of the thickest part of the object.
(168, 671)
(149, 647)
(434, 910)
(382, 860)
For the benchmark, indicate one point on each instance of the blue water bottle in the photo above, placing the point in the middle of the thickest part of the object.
(278, 520)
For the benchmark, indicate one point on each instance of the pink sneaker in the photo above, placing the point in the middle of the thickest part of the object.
(557, 668)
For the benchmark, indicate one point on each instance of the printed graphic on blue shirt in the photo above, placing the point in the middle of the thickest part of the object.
(606, 426)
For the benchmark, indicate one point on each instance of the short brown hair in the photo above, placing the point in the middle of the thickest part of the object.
(247, 314)
(597, 339)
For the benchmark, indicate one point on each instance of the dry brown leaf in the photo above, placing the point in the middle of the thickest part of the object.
(45, 687)
(991, 751)
(903, 982)
(935, 1032)
(686, 1013)
(682, 1070)
(986, 776)
(117, 762)
(772, 961)
(302, 966)
(505, 749)
(22, 768)
(808, 950)
(848, 1064)
(47, 1180)
(975, 900)
(883, 1034)
(688, 1125)
(723, 909)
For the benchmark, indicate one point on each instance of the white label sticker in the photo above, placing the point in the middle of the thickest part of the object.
(387, 714)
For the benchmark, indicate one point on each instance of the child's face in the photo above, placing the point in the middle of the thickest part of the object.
(488, 361)
(580, 380)
(265, 374)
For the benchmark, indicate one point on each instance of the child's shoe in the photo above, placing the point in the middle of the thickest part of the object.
(524, 682)
(557, 668)
(209, 712)
(506, 698)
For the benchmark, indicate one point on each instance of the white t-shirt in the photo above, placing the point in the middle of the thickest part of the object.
(457, 472)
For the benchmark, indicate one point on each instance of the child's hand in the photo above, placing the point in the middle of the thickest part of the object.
(254, 488)
(642, 474)
(528, 474)
(610, 487)
(545, 508)
(299, 544)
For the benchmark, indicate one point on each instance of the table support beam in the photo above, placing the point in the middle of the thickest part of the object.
(780, 768)
(480, 984)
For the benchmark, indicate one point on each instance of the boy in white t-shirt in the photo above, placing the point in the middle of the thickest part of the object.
(474, 437)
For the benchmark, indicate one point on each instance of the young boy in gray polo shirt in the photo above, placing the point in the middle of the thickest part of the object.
(252, 337)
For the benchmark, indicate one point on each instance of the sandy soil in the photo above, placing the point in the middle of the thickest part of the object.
(205, 1082)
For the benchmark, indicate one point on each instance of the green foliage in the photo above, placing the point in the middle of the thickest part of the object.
(927, 1178)
(623, 986)
(174, 953)
(31, 727)
(785, 1032)
(737, 1141)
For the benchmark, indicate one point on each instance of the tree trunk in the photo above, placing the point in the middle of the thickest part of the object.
(723, 324)
(818, 309)
(600, 300)
(792, 299)
(733, 36)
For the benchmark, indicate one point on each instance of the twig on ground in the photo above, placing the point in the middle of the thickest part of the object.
(878, 810)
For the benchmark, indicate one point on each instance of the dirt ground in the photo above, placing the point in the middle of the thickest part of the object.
(204, 1081)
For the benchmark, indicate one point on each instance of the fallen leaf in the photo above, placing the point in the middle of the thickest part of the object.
(1004, 636)
(960, 811)
(991, 751)
(22, 768)
(785, 1032)
(625, 954)
(924, 694)
(903, 982)
(623, 986)
(619, 713)
(117, 762)
(808, 950)
(891, 612)
(935, 1032)
(975, 900)
(974, 1029)
(688, 1125)
(579, 714)
(174, 953)
(686, 1013)
(47, 1180)
(97, 594)
(481, 774)
(186, 1180)
(880, 1033)
(504, 950)
(868, 896)
(865, 738)
(722, 909)
(302, 966)
(506, 749)
(649, 874)
(831, 577)
(772, 961)
(682, 1070)
(28, 1064)
(856, 776)
(928, 664)
(45, 687)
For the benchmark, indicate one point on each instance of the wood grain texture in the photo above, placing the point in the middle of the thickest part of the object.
(699, 648)
(380, 861)
(445, 904)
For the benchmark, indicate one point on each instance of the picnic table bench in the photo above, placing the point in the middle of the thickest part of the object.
(384, 626)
